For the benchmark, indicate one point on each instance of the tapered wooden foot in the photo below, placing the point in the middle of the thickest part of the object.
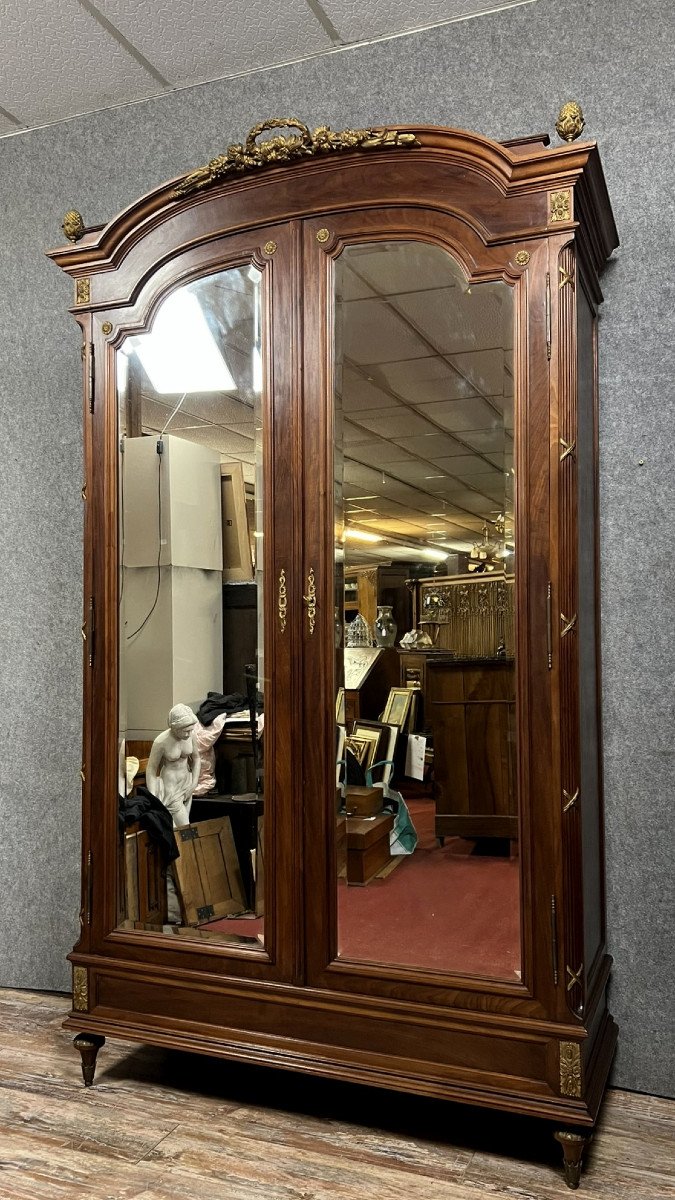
(573, 1146)
(88, 1045)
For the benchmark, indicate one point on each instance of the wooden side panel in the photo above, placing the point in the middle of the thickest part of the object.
(590, 764)
(573, 966)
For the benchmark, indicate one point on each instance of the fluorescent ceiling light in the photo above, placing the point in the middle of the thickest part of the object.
(179, 353)
(362, 535)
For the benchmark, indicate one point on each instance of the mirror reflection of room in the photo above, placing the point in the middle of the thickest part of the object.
(427, 813)
(191, 653)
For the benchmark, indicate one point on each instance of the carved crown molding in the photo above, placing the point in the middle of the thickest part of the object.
(285, 148)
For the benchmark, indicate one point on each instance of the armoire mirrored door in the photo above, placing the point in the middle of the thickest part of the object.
(204, 565)
(423, 877)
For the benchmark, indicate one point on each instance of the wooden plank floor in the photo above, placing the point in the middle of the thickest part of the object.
(159, 1125)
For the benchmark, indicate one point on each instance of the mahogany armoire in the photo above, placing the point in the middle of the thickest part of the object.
(364, 320)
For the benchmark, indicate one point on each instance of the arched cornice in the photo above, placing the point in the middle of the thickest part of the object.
(516, 170)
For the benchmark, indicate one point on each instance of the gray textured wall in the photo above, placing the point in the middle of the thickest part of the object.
(505, 74)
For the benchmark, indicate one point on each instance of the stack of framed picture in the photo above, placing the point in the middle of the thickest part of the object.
(373, 744)
(401, 708)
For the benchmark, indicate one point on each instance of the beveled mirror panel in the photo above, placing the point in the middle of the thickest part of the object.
(427, 825)
(191, 652)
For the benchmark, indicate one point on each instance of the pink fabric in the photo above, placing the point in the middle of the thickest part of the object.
(205, 738)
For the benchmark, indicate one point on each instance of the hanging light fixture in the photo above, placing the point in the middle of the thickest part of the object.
(488, 555)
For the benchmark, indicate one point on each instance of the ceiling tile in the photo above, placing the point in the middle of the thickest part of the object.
(354, 435)
(395, 422)
(395, 268)
(358, 393)
(486, 440)
(231, 445)
(220, 409)
(423, 380)
(348, 284)
(455, 319)
(483, 370)
(466, 466)
(362, 477)
(205, 39)
(64, 63)
(414, 471)
(432, 446)
(380, 454)
(355, 20)
(373, 333)
(458, 415)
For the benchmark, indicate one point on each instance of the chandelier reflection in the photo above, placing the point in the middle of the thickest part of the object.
(493, 553)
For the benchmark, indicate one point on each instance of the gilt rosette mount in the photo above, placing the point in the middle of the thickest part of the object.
(251, 155)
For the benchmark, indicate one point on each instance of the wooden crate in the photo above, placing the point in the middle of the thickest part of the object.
(367, 847)
(207, 874)
(145, 899)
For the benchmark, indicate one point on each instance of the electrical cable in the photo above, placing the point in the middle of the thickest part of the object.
(160, 453)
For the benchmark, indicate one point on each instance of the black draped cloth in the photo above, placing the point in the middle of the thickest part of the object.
(153, 817)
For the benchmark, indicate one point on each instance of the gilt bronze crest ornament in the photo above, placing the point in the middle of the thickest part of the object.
(284, 148)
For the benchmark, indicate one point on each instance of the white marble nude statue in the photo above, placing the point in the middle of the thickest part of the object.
(173, 766)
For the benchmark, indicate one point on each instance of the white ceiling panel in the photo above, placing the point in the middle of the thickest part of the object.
(155, 414)
(432, 446)
(423, 380)
(362, 477)
(231, 445)
(59, 61)
(206, 39)
(348, 285)
(354, 435)
(487, 441)
(458, 415)
(395, 268)
(448, 464)
(219, 409)
(380, 454)
(482, 369)
(469, 466)
(414, 471)
(359, 393)
(355, 20)
(395, 422)
(454, 319)
(475, 502)
(373, 333)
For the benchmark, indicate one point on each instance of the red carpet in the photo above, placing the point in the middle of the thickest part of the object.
(442, 908)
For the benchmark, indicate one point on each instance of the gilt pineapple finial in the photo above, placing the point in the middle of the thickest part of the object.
(73, 226)
(570, 121)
